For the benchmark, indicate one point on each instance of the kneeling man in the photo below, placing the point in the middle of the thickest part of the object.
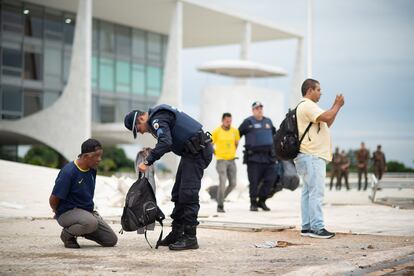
(72, 199)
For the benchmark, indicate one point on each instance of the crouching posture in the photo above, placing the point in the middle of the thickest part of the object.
(177, 132)
(72, 200)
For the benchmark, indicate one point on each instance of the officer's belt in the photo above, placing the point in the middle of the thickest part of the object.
(258, 150)
(198, 142)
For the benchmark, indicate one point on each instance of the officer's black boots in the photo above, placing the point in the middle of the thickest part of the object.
(176, 232)
(220, 209)
(188, 240)
(253, 205)
(262, 204)
(68, 239)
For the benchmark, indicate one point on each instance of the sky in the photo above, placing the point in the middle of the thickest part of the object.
(363, 49)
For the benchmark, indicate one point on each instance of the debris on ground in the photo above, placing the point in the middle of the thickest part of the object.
(273, 244)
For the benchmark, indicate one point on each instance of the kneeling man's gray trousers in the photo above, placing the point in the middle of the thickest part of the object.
(89, 225)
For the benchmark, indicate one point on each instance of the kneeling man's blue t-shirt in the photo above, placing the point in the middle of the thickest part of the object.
(75, 188)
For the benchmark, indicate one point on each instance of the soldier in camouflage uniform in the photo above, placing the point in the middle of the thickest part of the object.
(362, 158)
(344, 170)
(380, 165)
(335, 169)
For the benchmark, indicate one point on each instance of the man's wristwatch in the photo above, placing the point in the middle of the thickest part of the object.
(146, 163)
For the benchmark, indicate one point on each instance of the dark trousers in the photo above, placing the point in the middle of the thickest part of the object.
(187, 186)
(335, 174)
(258, 172)
(345, 176)
(378, 172)
(360, 172)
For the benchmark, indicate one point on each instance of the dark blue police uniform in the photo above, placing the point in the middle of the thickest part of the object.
(177, 132)
(259, 155)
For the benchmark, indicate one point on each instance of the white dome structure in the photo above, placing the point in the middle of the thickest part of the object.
(241, 69)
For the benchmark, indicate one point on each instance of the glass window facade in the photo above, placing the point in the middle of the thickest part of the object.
(12, 99)
(138, 79)
(123, 76)
(127, 69)
(33, 101)
(35, 51)
(33, 21)
(35, 54)
(53, 25)
(12, 60)
(12, 18)
(106, 74)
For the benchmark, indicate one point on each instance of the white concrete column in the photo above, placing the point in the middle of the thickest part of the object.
(247, 39)
(309, 38)
(80, 68)
(297, 77)
(171, 89)
(67, 122)
(245, 48)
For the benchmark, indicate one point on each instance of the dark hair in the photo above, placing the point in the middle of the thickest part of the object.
(90, 145)
(226, 114)
(308, 84)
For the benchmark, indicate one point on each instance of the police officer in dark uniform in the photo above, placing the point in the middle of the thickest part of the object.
(259, 155)
(177, 132)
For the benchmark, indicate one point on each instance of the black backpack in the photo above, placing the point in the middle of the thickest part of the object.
(141, 208)
(286, 139)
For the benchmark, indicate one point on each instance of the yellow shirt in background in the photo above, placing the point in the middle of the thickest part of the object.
(225, 143)
(318, 139)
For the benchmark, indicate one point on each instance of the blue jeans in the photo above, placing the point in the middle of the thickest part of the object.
(312, 170)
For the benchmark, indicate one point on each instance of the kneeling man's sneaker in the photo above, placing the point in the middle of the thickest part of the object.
(321, 234)
(305, 232)
(68, 239)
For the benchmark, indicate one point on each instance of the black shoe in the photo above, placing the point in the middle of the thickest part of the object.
(172, 237)
(253, 205)
(305, 232)
(262, 204)
(321, 234)
(220, 209)
(69, 240)
(186, 241)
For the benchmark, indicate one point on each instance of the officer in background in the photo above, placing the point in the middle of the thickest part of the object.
(380, 165)
(177, 132)
(259, 155)
(335, 168)
(362, 158)
(344, 166)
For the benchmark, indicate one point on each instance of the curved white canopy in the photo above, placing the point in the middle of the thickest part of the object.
(204, 24)
(241, 69)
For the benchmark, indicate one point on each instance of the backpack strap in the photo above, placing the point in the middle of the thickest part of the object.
(145, 234)
(307, 128)
(306, 131)
(160, 237)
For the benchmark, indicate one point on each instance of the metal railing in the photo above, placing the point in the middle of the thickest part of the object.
(391, 181)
